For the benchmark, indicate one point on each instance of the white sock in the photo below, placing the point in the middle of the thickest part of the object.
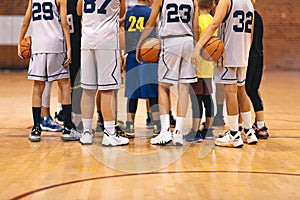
(233, 122)
(260, 124)
(59, 107)
(87, 124)
(76, 118)
(247, 119)
(110, 127)
(179, 124)
(165, 122)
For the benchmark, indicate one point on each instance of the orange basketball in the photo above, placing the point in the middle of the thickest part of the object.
(25, 47)
(213, 49)
(150, 50)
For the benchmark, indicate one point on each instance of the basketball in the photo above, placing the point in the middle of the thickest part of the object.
(213, 49)
(25, 47)
(150, 50)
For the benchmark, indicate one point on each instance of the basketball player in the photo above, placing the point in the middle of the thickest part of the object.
(141, 79)
(237, 17)
(74, 21)
(50, 59)
(201, 91)
(176, 33)
(100, 65)
(254, 75)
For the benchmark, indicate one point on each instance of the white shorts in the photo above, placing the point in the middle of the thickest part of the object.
(175, 60)
(100, 69)
(47, 67)
(230, 75)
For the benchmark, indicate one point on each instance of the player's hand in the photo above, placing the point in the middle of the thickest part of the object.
(195, 55)
(68, 60)
(19, 52)
(137, 53)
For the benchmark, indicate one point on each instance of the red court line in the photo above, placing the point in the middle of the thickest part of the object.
(149, 173)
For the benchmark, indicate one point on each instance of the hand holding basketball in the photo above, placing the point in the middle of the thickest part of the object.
(24, 48)
(213, 49)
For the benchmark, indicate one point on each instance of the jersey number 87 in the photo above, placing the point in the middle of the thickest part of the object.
(90, 6)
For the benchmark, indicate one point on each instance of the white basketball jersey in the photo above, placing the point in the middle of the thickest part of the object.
(237, 28)
(47, 33)
(176, 18)
(100, 24)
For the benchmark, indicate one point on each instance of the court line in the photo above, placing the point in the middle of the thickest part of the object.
(149, 173)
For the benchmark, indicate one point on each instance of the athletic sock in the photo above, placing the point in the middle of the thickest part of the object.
(36, 113)
(67, 109)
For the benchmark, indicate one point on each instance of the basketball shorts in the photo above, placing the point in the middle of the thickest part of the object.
(174, 62)
(100, 69)
(47, 67)
(140, 79)
(230, 75)
(202, 86)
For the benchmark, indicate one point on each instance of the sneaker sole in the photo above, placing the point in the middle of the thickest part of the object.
(51, 130)
(69, 139)
(86, 143)
(110, 145)
(229, 145)
(34, 139)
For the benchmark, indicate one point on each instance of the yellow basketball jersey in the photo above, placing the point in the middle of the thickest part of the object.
(204, 68)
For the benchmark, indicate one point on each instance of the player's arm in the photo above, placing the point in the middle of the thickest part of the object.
(25, 25)
(149, 26)
(195, 21)
(122, 9)
(79, 8)
(66, 29)
(221, 12)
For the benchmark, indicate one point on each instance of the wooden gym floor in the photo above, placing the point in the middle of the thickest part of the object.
(52, 169)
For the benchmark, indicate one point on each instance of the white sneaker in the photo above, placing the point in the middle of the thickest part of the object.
(163, 138)
(113, 140)
(86, 137)
(250, 136)
(177, 138)
(230, 141)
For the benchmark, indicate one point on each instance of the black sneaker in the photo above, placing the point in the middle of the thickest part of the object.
(129, 130)
(70, 134)
(60, 117)
(35, 135)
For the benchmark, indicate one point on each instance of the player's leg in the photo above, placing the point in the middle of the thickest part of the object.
(47, 122)
(108, 74)
(100, 126)
(207, 131)
(163, 101)
(132, 104)
(245, 108)
(197, 111)
(155, 116)
(38, 75)
(69, 132)
(253, 80)
(38, 87)
(232, 138)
